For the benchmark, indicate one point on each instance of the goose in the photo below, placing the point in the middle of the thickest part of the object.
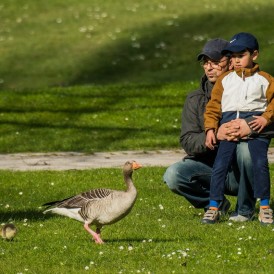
(8, 231)
(100, 206)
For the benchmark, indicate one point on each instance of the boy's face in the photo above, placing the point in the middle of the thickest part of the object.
(243, 59)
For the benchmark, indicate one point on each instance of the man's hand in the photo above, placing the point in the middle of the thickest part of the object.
(233, 130)
(210, 139)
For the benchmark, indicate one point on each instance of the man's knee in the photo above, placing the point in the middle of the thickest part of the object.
(170, 177)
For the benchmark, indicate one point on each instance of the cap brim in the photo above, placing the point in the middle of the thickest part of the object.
(234, 48)
(214, 55)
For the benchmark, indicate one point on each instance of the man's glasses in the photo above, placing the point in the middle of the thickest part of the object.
(213, 64)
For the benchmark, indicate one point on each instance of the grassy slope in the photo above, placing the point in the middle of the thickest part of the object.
(70, 43)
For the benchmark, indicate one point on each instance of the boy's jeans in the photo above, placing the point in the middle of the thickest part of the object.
(191, 179)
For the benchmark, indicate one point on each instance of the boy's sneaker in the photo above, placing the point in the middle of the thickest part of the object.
(266, 216)
(211, 216)
(235, 217)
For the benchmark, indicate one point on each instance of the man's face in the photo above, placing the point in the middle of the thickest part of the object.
(213, 69)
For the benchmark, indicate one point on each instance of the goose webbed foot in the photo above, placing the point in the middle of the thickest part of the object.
(96, 235)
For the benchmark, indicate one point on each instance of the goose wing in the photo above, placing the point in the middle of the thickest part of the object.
(80, 200)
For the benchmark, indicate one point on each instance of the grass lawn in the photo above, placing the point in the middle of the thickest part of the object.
(92, 76)
(69, 42)
(162, 234)
(92, 118)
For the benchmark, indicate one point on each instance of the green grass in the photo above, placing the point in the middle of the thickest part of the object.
(92, 118)
(68, 42)
(113, 75)
(163, 231)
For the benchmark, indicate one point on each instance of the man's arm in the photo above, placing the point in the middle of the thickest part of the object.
(192, 136)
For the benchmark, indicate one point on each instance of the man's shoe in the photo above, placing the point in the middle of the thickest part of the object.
(266, 216)
(235, 217)
(224, 206)
(211, 216)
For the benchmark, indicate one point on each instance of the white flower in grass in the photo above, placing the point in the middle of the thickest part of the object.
(83, 29)
(104, 15)
(25, 220)
(162, 6)
(161, 207)
(86, 267)
(20, 193)
(121, 247)
(230, 224)
(91, 263)
(101, 253)
(136, 45)
(130, 247)
(219, 256)
(149, 240)
(7, 206)
(36, 247)
(163, 226)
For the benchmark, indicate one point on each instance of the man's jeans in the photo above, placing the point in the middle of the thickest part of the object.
(191, 179)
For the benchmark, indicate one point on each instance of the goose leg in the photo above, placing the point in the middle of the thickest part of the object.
(96, 236)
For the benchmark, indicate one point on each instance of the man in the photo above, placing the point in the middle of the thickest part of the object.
(191, 176)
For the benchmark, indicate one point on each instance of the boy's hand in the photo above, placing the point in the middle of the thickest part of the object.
(210, 139)
(258, 124)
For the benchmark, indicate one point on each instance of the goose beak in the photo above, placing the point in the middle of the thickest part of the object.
(135, 165)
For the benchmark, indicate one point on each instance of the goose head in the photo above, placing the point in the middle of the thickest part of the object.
(129, 166)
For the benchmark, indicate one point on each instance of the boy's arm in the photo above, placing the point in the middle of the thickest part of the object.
(213, 112)
(269, 112)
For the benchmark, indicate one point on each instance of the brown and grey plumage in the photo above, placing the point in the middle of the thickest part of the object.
(101, 206)
(8, 231)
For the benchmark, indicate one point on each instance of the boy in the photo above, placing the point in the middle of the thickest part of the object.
(244, 92)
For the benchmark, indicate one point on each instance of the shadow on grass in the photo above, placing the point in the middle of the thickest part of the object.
(138, 240)
(163, 52)
(20, 215)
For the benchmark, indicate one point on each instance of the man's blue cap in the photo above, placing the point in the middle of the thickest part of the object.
(241, 42)
(213, 49)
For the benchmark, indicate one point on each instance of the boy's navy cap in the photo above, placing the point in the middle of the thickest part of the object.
(241, 42)
(213, 49)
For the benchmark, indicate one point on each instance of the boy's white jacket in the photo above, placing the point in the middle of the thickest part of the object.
(242, 90)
